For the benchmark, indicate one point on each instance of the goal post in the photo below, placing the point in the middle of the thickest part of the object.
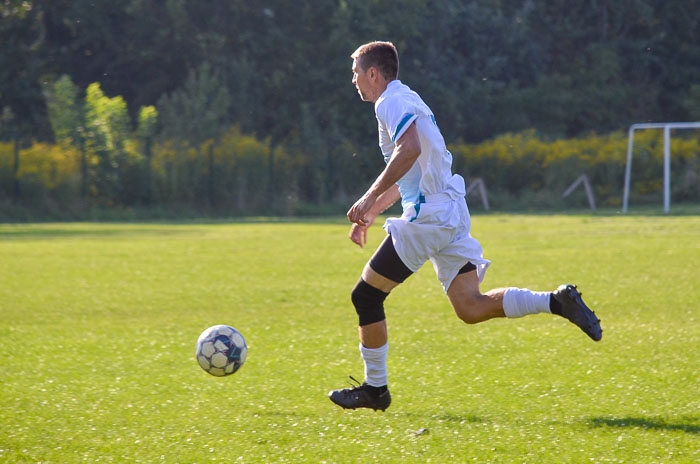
(583, 179)
(478, 184)
(666, 126)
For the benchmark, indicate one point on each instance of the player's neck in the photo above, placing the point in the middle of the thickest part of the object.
(380, 89)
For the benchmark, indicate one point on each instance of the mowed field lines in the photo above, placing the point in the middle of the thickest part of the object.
(98, 324)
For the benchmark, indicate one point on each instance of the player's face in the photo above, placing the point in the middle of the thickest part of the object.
(361, 81)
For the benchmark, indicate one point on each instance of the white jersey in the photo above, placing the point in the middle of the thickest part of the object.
(435, 222)
(396, 109)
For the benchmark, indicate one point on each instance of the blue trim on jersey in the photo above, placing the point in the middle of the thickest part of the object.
(401, 124)
(421, 199)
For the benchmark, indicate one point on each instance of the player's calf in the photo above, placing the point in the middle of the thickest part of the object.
(472, 309)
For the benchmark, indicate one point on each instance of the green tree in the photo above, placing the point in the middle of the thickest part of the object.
(193, 115)
(147, 127)
(66, 114)
(21, 105)
(692, 102)
(107, 134)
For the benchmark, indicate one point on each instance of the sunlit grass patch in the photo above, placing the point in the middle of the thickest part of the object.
(98, 324)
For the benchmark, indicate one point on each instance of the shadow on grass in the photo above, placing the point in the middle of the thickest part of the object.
(649, 423)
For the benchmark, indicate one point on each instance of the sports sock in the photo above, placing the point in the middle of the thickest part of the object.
(519, 302)
(375, 365)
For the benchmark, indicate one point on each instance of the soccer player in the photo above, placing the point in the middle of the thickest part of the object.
(434, 226)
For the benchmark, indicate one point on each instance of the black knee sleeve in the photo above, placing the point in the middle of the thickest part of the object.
(368, 302)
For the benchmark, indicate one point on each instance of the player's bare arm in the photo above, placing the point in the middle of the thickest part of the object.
(406, 153)
(358, 233)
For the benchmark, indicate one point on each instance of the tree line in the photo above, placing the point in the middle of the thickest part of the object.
(152, 98)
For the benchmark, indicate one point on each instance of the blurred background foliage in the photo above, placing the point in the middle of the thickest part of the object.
(236, 107)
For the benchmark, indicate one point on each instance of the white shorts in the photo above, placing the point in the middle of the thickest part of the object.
(438, 230)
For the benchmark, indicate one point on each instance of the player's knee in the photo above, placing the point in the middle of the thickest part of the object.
(467, 309)
(368, 302)
(469, 317)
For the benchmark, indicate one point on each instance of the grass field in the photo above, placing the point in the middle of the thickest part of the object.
(98, 324)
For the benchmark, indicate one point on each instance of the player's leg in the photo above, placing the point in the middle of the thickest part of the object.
(368, 298)
(469, 303)
(381, 274)
(472, 306)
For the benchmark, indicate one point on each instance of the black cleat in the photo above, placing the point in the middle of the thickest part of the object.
(361, 396)
(574, 309)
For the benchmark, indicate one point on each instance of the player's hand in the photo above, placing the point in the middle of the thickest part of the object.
(359, 212)
(358, 234)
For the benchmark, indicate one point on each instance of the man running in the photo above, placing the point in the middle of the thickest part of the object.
(434, 226)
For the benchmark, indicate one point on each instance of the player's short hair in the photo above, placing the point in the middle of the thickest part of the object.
(381, 55)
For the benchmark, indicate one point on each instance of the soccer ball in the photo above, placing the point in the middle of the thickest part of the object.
(221, 350)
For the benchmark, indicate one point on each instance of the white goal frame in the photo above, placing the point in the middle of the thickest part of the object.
(583, 179)
(666, 126)
(479, 184)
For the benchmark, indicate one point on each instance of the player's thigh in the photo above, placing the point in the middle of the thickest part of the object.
(464, 293)
(385, 270)
(377, 280)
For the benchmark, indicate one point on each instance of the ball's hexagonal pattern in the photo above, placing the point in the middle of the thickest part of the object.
(221, 350)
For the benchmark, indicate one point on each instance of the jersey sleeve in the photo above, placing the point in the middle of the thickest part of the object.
(396, 115)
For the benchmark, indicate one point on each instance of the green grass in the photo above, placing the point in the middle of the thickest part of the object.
(98, 324)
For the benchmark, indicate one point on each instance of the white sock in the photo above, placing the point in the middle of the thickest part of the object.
(519, 302)
(375, 365)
